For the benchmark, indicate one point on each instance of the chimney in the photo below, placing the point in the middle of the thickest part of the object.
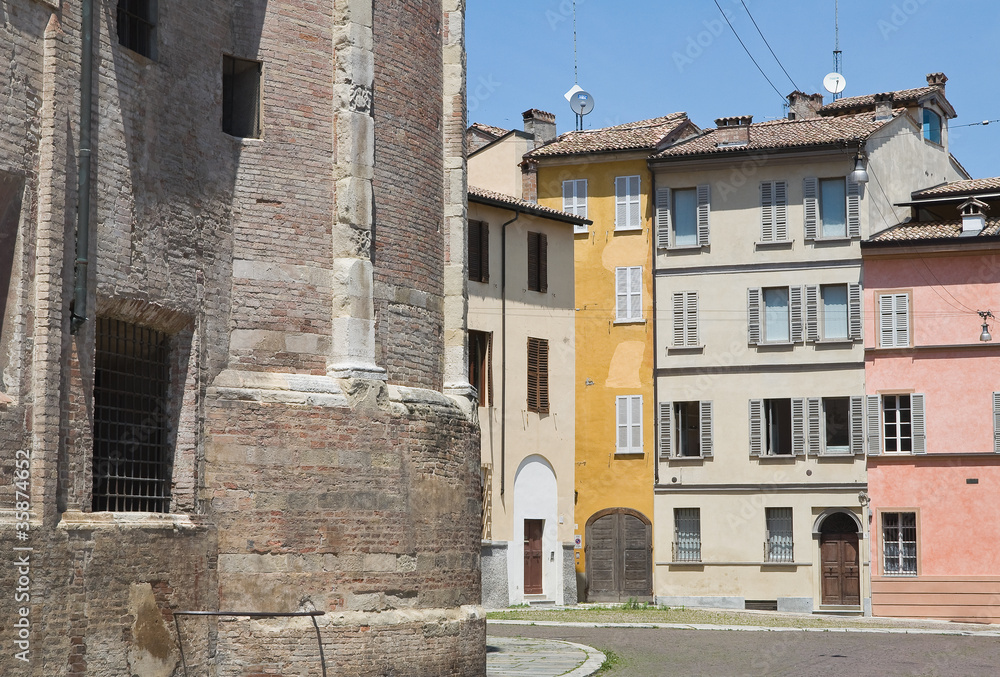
(802, 105)
(973, 216)
(883, 105)
(541, 125)
(529, 180)
(937, 80)
(734, 131)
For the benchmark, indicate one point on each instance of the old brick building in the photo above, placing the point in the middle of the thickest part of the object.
(249, 393)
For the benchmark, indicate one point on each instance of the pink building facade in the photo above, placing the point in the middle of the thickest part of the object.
(933, 407)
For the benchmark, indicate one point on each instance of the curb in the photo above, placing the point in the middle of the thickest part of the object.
(749, 628)
(595, 659)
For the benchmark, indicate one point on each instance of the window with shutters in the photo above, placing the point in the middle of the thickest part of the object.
(932, 126)
(779, 545)
(538, 262)
(685, 429)
(479, 251)
(894, 320)
(687, 535)
(481, 365)
(895, 423)
(899, 543)
(136, 21)
(682, 217)
(241, 92)
(538, 375)
(133, 455)
(628, 294)
(831, 208)
(773, 211)
(778, 427)
(628, 414)
(685, 319)
(575, 201)
(774, 315)
(833, 312)
(628, 216)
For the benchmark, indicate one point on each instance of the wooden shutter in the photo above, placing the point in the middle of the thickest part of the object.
(814, 425)
(753, 315)
(901, 320)
(533, 262)
(680, 318)
(621, 202)
(543, 263)
(855, 329)
(666, 420)
(886, 334)
(484, 251)
(919, 424)
(663, 218)
(795, 313)
(569, 197)
(706, 424)
(635, 424)
(691, 319)
(533, 383)
(853, 209)
(766, 211)
(475, 251)
(857, 425)
(780, 211)
(812, 312)
(996, 423)
(798, 426)
(634, 215)
(489, 365)
(621, 293)
(704, 207)
(874, 424)
(581, 199)
(810, 206)
(635, 293)
(756, 427)
(621, 416)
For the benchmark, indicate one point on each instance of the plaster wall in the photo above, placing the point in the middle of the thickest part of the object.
(496, 166)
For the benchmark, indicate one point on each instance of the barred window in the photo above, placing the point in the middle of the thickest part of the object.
(132, 452)
(137, 25)
(779, 546)
(899, 543)
(687, 535)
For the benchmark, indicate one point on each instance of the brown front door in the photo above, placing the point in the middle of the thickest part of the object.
(841, 573)
(619, 557)
(533, 556)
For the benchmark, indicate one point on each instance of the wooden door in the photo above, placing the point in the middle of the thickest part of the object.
(841, 572)
(619, 558)
(533, 556)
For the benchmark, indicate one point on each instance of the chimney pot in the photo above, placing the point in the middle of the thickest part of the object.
(733, 131)
(540, 124)
(802, 105)
(973, 213)
(937, 80)
(883, 105)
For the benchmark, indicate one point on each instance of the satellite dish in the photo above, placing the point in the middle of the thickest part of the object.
(581, 102)
(834, 83)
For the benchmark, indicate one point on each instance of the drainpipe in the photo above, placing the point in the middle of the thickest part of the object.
(78, 313)
(503, 350)
(656, 355)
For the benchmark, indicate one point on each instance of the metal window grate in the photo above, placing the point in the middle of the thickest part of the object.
(132, 458)
(135, 25)
(779, 546)
(687, 535)
(899, 543)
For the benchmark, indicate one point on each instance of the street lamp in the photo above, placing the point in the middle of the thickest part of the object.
(985, 336)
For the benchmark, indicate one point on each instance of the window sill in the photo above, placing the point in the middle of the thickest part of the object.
(776, 457)
(840, 240)
(629, 229)
(697, 459)
(680, 350)
(776, 345)
(619, 454)
(834, 341)
(581, 231)
(617, 322)
(682, 249)
(776, 244)
(73, 520)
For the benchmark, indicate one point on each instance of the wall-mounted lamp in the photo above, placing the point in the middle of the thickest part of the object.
(985, 336)
(860, 174)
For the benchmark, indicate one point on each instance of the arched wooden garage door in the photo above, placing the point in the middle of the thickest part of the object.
(619, 556)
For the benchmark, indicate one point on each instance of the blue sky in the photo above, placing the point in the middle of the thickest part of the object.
(644, 58)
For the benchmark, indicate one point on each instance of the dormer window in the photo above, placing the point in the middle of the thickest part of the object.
(932, 126)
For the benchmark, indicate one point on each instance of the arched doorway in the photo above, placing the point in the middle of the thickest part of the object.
(533, 569)
(619, 556)
(840, 568)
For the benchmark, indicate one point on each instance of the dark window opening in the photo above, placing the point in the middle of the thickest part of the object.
(481, 365)
(538, 262)
(11, 188)
(479, 251)
(137, 25)
(132, 454)
(688, 418)
(241, 80)
(837, 423)
(778, 426)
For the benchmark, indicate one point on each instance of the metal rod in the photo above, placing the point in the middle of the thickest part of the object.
(80, 292)
(180, 645)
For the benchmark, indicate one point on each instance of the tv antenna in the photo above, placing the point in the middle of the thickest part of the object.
(579, 99)
(835, 82)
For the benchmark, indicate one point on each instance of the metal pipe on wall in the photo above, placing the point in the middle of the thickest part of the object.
(80, 292)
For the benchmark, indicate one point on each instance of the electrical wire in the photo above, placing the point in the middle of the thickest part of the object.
(780, 95)
(973, 124)
(769, 46)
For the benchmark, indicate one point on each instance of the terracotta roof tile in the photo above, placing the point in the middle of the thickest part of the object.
(902, 97)
(639, 135)
(967, 186)
(778, 134)
(489, 129)
(933, 230)
(531, 207)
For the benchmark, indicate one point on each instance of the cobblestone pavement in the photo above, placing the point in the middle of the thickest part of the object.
(528, 657)
(647, 650)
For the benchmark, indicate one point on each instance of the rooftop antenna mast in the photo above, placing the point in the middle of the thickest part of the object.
(837, 65)
(579, 100)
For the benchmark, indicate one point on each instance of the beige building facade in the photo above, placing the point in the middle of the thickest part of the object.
(761, 494)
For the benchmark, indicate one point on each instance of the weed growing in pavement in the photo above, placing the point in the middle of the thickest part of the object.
(611, 660)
